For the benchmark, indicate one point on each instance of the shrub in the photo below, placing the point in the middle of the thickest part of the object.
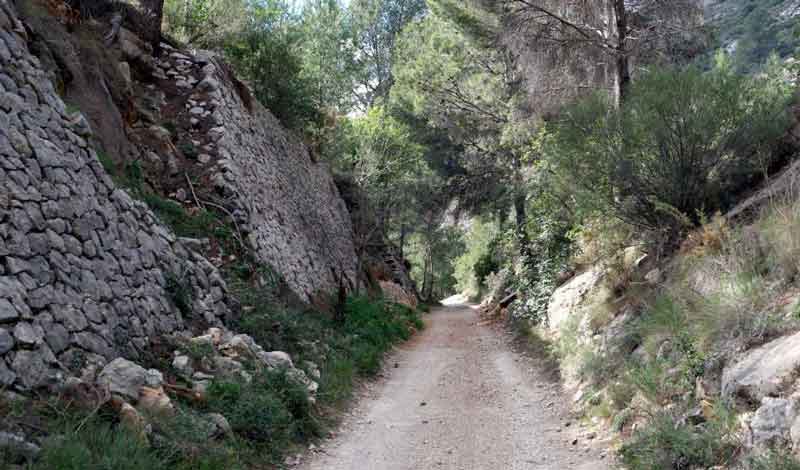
(665, 444)
(377, 325)
(778, 229)
(486, 265)
(546, 256)
(774, 460)
(273, 408)
(188, 149)
(295, 398)
(254, 411)
(336, 383)
(197, 224)
(183, 439)
(685, 141)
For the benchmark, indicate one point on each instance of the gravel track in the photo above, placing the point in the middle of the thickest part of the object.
(457, 396)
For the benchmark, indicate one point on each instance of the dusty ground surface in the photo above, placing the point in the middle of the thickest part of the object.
(458, 397)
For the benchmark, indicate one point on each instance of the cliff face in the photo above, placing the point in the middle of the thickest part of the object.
(86, 272)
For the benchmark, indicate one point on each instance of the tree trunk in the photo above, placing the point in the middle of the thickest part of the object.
(154, 9)
(520, 212)
(623, 60)
(402, 241)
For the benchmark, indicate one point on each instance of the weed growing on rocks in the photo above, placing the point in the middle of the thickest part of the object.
(774, 461)
(668, 442)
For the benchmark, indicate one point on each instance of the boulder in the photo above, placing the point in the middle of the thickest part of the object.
(183, 365)
(772, 421)
(763, 371)
(126, 378)
(221, 427)
(300, 377)
(571, 297)
(16, 446)
(155, 400)
(240, 346)
(313, 369)
(277, 359)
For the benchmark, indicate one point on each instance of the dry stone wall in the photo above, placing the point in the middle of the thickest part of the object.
(287, 204)
(86, 272)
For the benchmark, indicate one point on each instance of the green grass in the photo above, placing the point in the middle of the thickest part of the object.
(98, 446)
(255, 412)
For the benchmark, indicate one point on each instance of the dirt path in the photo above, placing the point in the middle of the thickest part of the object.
(459, 398)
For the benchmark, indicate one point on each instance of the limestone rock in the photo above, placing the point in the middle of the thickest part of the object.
(7, 376)
(31, 369)
(155, 400)
(15, 445)
(221, 426)
(762, 371)
(312, 369)
(133, 421)
(278, 359)
(183, 365)
(7, 311)
(126, 378)
(300, 377)
(6, 341)
(772, 421)
(28, 334)
(568, 299)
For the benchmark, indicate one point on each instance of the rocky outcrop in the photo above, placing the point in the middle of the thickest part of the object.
(569, 300)
(87, 274)
(764, 371)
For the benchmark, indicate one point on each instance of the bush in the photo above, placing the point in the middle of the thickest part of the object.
(684, 142)
(180, 292)
(774, 460)
(486, 265)
(336, 383)
(254, 411)
(664, 444)
(546, 256)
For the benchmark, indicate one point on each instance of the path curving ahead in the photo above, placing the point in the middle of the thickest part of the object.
(459, 399)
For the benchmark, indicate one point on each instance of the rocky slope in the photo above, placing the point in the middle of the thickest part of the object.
(695, 337)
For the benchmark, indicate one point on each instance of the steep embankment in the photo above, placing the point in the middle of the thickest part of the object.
(701, 346)
(85, 270)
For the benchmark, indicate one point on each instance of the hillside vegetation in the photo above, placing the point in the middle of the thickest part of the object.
(615, 181)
